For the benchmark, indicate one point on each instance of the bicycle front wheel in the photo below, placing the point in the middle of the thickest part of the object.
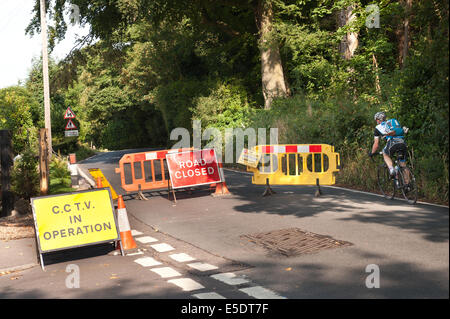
(385, 182)
(408, 184)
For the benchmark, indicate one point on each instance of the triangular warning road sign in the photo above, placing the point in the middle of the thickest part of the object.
(69, 114)
(70, 125)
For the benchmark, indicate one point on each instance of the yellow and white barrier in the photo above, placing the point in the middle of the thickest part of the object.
(295, 164)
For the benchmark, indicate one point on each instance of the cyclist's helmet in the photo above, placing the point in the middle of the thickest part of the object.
(380, 116)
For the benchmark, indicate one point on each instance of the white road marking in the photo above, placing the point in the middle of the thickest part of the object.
(146, 239)
(229, 278)
(162, 247)
(202, 266)
(135, 232)
(182, 257)
(147, 262)
(186, 284)
(166, 272)
(362, 192)
(209, 295)
(134, 254)
(259, 292)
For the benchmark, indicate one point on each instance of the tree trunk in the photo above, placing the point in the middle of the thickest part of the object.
(349, 43)
(273, 80)
(403, 34)
(377, 77)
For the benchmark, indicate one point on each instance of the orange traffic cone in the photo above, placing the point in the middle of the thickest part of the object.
(124, 226)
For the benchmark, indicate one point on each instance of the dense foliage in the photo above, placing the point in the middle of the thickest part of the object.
(158, 65)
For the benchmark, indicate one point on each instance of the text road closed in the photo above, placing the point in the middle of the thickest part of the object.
(193, 168)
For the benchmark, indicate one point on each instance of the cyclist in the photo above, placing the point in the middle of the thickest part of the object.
(395, 137)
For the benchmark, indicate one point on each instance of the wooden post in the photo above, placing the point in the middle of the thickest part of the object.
(43, 161)
(6, 163)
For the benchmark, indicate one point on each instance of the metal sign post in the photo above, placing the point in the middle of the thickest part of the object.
(71, 129)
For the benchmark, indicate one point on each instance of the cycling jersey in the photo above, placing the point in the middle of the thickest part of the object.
(388, 126)
(396, 143)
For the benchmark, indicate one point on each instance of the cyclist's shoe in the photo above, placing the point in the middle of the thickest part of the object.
(392, 173)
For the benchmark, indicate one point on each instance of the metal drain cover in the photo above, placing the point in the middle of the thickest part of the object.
(294, 241)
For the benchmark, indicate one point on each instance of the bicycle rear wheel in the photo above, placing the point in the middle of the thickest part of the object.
(408, 184)
(385, 182)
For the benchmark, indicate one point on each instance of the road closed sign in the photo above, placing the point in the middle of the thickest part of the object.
(193, 168)
(74, 219)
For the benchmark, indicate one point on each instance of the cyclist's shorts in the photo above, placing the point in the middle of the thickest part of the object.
(396, 145)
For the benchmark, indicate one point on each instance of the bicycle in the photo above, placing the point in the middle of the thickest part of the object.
(402, 180)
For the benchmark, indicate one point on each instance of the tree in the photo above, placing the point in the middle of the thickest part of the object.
(349, 43)
(229, 18)
(403, 33)
(273, 80)
(15, 115)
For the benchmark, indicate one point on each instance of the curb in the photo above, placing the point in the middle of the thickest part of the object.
(84, 175)
(17, 268)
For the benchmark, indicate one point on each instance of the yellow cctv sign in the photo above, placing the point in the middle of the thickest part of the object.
(74, 219)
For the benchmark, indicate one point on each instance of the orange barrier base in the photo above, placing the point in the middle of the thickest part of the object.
(221, 189)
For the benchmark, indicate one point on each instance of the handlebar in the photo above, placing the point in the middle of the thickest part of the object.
(377, 153)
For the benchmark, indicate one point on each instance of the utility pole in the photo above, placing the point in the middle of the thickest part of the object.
(48, 124)
(43, 161)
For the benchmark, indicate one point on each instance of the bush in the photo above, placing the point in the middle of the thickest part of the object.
(68, 145)
(60, 181)
(226, 106)
(338, 121)
(25, 175)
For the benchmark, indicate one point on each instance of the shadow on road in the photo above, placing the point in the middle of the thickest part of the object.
(432, 222)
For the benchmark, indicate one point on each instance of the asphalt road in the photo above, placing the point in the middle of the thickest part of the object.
(198, 247)
(409, 244)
